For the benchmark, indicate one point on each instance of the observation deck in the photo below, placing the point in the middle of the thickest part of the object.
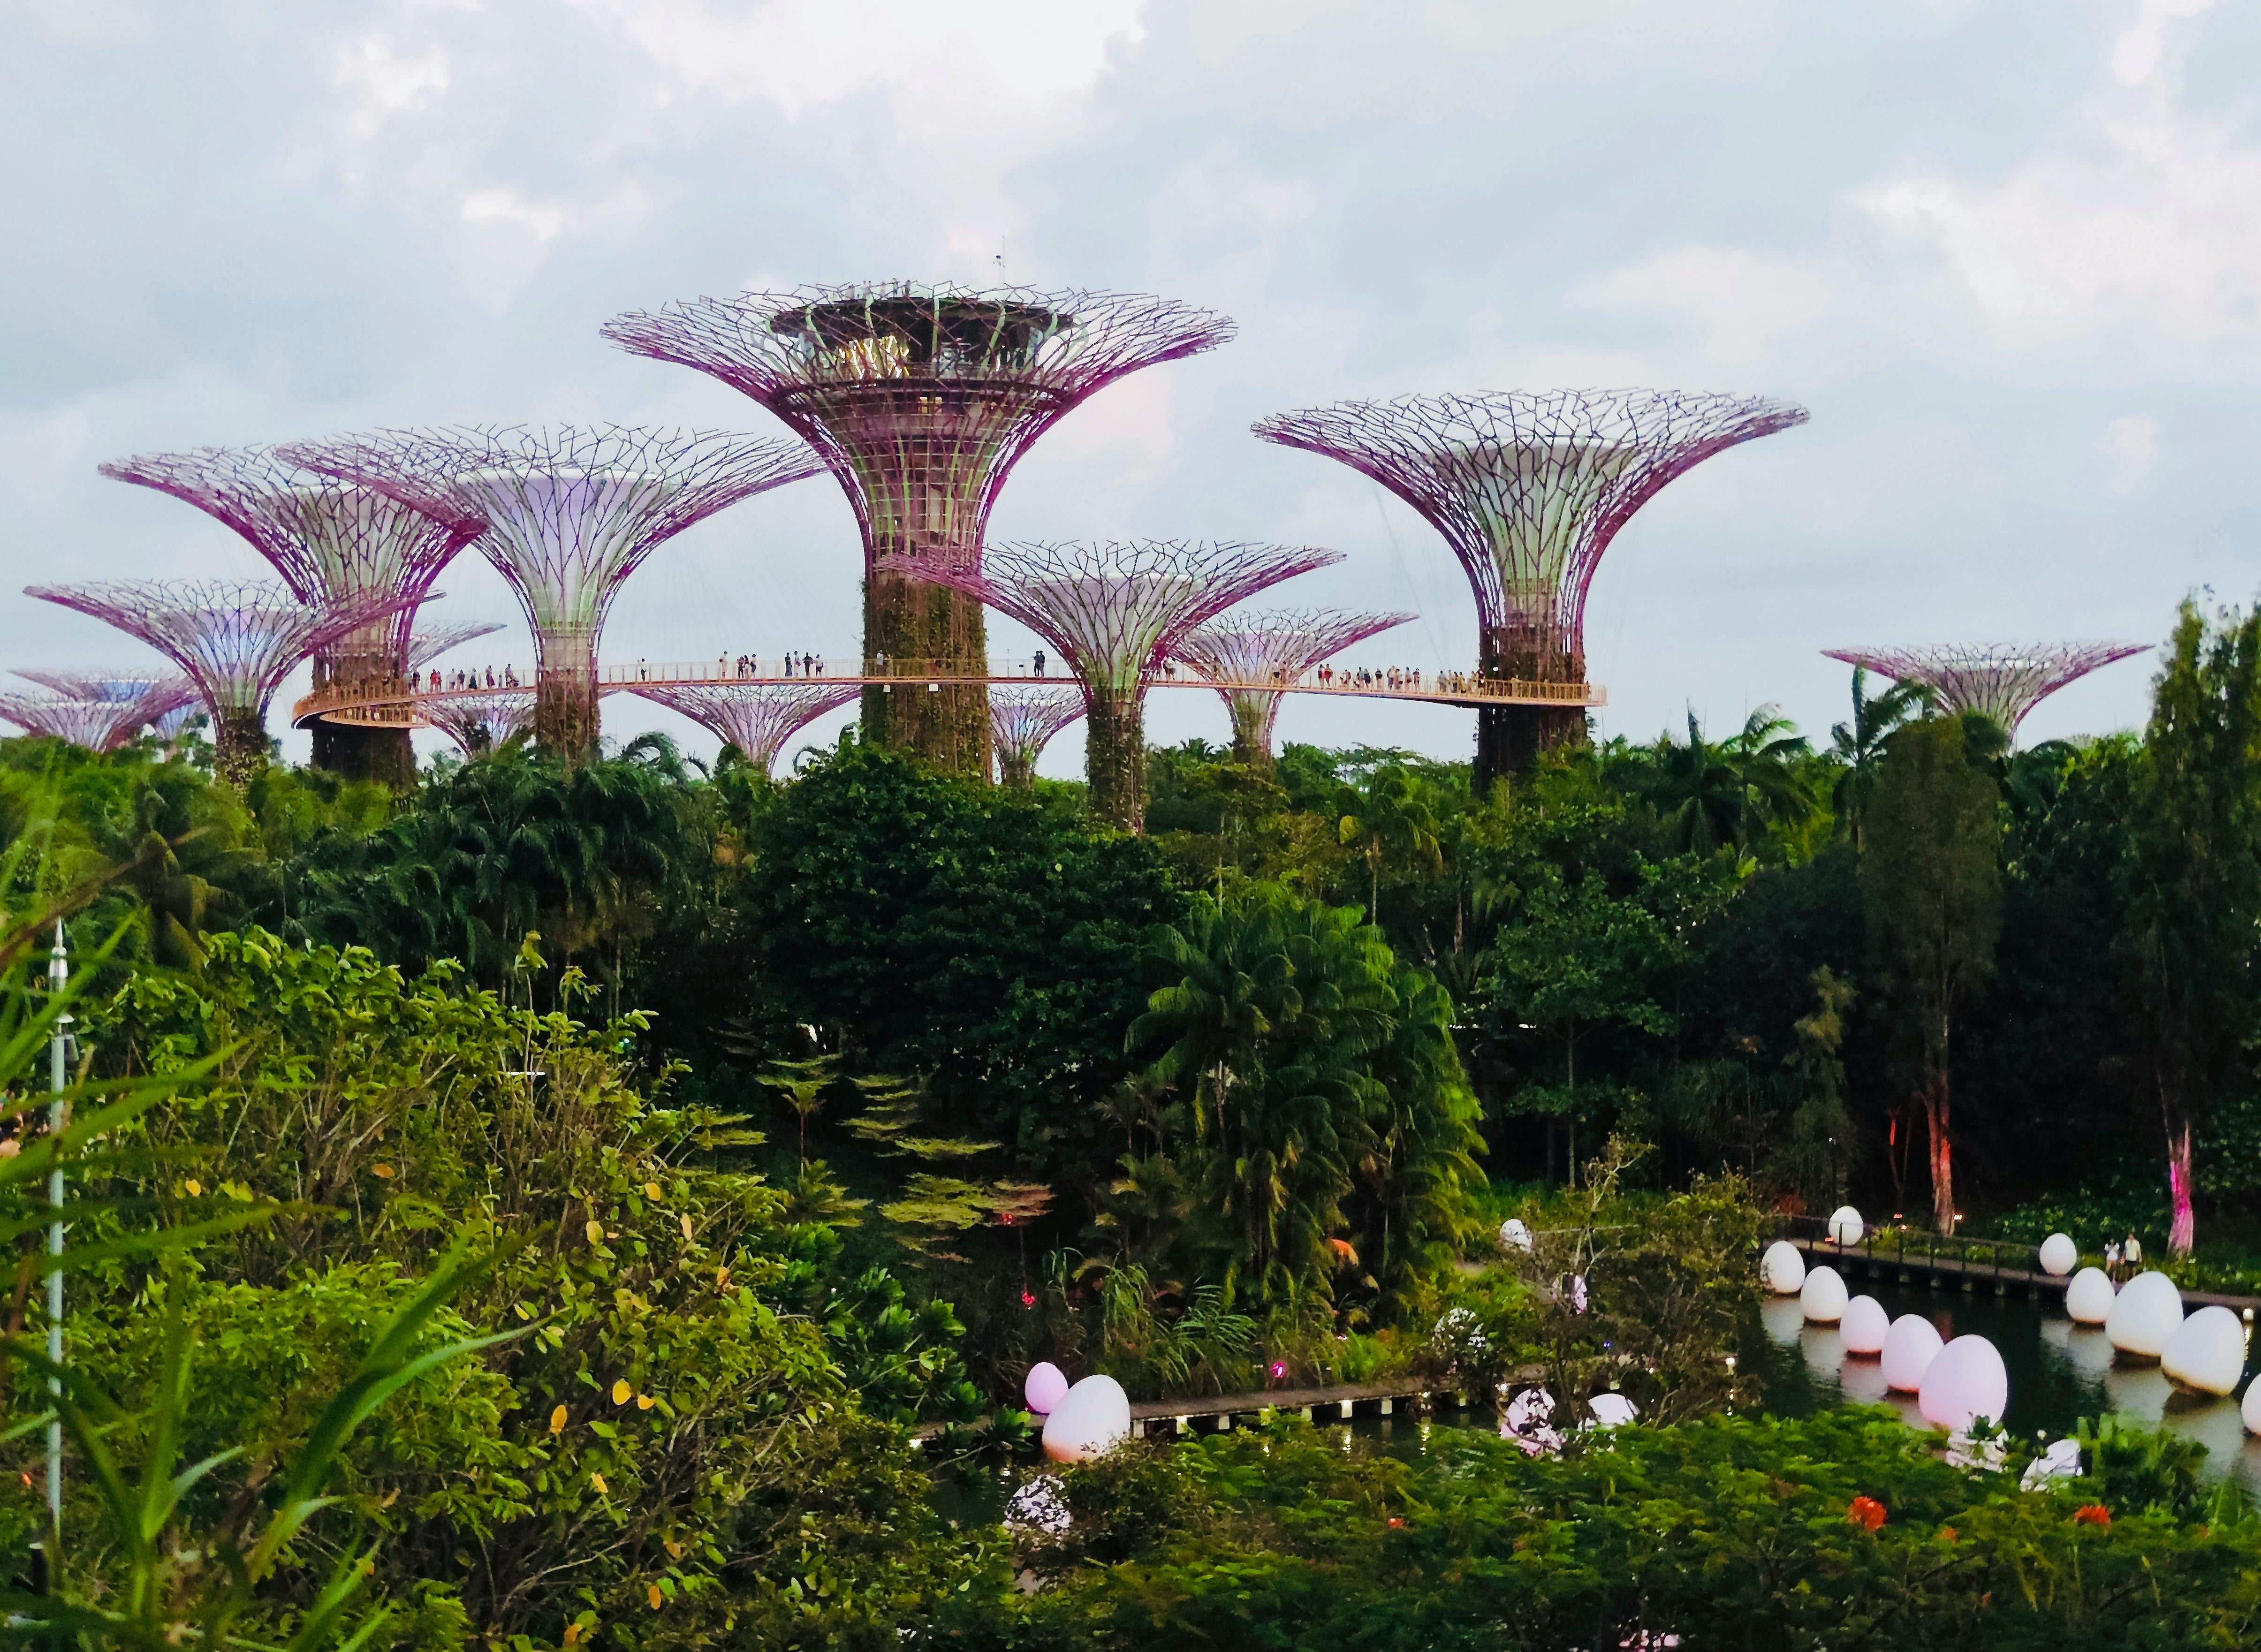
(395, 704)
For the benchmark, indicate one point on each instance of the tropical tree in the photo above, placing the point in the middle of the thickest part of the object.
(1728, 795)
(1859, 745)
(1391, 823)
(1931, 882)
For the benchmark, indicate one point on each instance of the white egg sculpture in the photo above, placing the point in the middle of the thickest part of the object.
(1046, 1387)
(2059, 1255)
(1611, 1410)
(1910, 1346)
(1862, 1326)
(1822, 1297)
(1965, 1381)
(1514, 1235)
(2206, 1352)
(1782, 1269)
(2249, 1412)
(1846, 1226)
(2088, 1299)
(2144, 1315)
(1091, 1419)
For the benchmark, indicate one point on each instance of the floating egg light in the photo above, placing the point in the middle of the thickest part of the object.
(1514, 1235)
(1782, 1269)
(1822, 1297)
(2144, 1315)
(1846, 1226)
(1091, 1419)
(1910, 1346)
(1863, 1325)
(1965, 1381)
(2088, 1299)
(2059, 1255)
(2206, 1352)
(1045, 1388)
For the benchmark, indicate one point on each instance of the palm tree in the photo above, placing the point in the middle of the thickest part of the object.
(1859, 745)
(1725, 795)
(1392, 823)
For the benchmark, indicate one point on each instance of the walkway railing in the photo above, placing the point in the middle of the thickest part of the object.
(393, 701)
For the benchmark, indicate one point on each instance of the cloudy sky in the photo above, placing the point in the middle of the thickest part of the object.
(2007, 251)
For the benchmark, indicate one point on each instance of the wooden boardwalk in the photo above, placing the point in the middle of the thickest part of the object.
(1903, 1258)
(1334, 1402)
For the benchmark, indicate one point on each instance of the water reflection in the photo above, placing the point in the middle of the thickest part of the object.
(2059, 1371)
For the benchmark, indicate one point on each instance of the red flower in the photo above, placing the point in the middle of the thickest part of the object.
(1027, 1299)
(1865, 1512)
(1396, 1524)
(2092, 1515)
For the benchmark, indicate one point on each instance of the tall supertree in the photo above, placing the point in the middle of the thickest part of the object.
(2005, 680)
(425, 646)
(332, 541)
(1117, 610)
(567, 515)
(1021, 723)
(480, 722)
(921, 399)
(235, 640)
(1278, 647)
(104, 709)
(757, 718)
(1528, 488)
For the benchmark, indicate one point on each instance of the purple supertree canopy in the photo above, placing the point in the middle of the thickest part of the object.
(757, 718)
(1529, 487)
(2005, 680)
(113, 687)
(98, 725)
(329, 539)
(477, 722)
(235, 640)
(1023, 721)
(565, 515)
(1115, 609)
(920, 397)
(425, 646)
(1279, 646)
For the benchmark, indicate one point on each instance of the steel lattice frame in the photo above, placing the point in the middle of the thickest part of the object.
(1022, 722)
(129, 703)
(480, 722)
(921, 399)
(1528, 488)
(1115, 610)
(235, 640)
(98, 725)
(2005, 680)
(424, 647)
(757, 718)
(1274, 646)
(566, 514)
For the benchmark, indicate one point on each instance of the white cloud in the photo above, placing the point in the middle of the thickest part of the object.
(544, 221)
(382, 82)
(2160, 237)
(1743, 301)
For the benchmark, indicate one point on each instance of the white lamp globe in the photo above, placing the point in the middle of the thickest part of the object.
(1046, 1387)
(1863, 1325)
(1965, 1381)
(2059, 1255)
(1611, 1410)
(1091, 1419)
(2206, 1352)
(1910, 1346)
(1846, 1227)
(2249, 1412)
(1782, 1269)
(2144, 1315)
(1514, 1235)
(2088, 1299)
(1822, 1297)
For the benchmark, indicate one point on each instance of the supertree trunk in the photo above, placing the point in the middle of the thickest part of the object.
(1252, 716)
(1115, 756)
(363, 751)
(566, 720)
(240, 751)
(909, 620)
(1510, 740)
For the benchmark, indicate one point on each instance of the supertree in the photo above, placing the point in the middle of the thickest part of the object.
(1117, 610)
(332, 541)
(235, 640)
(480, 722)
(921, 399)
(1277, 646)
(2005, 680)
(566, 514)
(757, 718)
(1022, 722)
(425, 646)
(104, 709)
(1528, 488)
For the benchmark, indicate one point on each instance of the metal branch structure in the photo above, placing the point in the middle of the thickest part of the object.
(332, 541)
(424, 647)
(566, 515)
(2004, 681)
(235, 640)
(1277, 646)
(1117, 610)
(1528, 488)
(1022, 722)
(920, 398)
(103, 710)
(757, 718)
(479, 722)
